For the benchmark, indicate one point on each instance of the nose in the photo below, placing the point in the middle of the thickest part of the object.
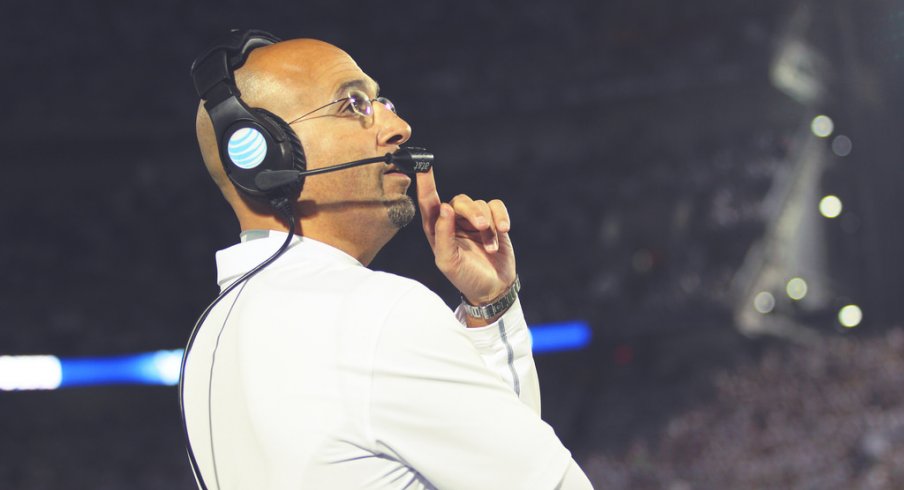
(393, 129)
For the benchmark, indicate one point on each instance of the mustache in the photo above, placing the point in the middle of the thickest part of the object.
(310, 208)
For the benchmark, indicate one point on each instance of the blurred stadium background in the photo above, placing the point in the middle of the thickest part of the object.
(707, 184)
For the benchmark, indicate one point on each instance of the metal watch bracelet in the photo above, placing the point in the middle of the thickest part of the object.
(489, 311)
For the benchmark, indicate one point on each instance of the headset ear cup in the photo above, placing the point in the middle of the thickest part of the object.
(298, 158)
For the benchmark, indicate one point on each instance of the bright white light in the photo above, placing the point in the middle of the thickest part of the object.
(850, 316)
(168, 364)
(764, 302)
(796, 289)
(842, 145)
(30, 373)
(822, 126)
(830, 206)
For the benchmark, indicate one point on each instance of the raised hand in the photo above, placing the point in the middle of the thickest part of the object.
(470, 241)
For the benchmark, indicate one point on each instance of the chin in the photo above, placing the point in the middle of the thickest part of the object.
(400, 210)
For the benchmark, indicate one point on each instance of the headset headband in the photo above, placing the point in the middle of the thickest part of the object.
(213, 71)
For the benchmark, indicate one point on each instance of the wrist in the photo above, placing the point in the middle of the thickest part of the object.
(486, 313)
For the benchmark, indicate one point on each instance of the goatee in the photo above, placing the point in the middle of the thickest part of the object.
(400, 211)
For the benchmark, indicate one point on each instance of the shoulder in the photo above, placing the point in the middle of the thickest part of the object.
(400, 297)
(388, 284)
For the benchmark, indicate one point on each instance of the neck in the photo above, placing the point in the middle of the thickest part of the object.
(354, 238)
(358, 237)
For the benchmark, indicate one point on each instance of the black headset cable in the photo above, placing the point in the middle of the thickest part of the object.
(284, 207)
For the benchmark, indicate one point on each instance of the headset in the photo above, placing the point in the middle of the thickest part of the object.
(252, 141)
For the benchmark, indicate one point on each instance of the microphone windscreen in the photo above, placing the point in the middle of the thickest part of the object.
(412, 159)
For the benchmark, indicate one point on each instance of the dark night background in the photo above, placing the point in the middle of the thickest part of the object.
(658, 161)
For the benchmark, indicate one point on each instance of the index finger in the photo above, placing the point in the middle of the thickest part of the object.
(427, 200)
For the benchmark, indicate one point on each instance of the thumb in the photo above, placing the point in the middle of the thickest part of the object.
(444, 249)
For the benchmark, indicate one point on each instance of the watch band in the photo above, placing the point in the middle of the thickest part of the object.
(493, 309)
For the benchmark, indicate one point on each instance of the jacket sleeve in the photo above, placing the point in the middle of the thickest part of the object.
(436, 407)
(505, 347)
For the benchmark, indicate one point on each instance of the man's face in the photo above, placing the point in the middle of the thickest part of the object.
(372, 194)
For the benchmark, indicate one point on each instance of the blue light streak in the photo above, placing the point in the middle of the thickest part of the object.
(150, 368)
(557, 337)
(162, 367)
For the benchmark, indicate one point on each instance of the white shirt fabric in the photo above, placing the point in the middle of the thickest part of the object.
(319, 373)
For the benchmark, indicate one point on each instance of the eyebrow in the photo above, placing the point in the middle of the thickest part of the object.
(358, 83)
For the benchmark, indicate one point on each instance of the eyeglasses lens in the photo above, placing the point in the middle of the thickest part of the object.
(388, 103)
(360, 104)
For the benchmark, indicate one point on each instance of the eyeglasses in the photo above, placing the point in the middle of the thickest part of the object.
(357, 104)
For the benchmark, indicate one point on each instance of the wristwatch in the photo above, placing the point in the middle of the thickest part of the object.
(493, 309)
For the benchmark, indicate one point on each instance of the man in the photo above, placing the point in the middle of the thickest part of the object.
(320, 373)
